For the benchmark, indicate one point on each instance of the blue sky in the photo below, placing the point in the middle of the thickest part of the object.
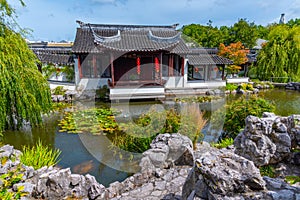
(55, 20)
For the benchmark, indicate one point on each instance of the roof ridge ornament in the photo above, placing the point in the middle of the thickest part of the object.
(172, 39)
(101, 39)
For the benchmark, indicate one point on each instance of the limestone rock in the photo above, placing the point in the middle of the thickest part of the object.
(264, 140)
(167, 150)
(278, 189)
(222, 173)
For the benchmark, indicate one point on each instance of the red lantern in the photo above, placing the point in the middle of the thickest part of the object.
(196, 69)
(138, 65)
(156, 63)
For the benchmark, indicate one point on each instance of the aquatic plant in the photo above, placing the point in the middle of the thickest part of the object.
(39, 156)
(93, 120)
(192, 123)
(136, 136)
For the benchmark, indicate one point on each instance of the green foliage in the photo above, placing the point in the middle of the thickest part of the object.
(223, 143)
(245, 32)
(247, 86)
(280, 56)
(293, 22)
(267, 170)
(192, 122)
(68, 70)
(292, 179)
(231, 87)
(264, 84)
(197, 99)
(39, 156)
(24, 93)
(102, 92)
(295, 150)
(50, 69)
(208, 36)
(58, 106)
(94, 120)
(7, 180)
(59, 90)
(7, 14)
(189, 122)
(132, 143)
(237, 111)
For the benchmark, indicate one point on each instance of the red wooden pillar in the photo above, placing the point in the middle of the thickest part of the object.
(182, 66)
(112, 69)
(161, 63)
(95, 65)
(79, 67)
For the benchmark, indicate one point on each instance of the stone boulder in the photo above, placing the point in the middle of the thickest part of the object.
(278, 189)
(52, 183)
(292, 86)
(268, 140)
(167, 150)
(221, 174)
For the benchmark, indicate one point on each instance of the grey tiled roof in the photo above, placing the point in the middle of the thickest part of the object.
(54, 56)
(204, 50)
(205, 56)
(98, 38)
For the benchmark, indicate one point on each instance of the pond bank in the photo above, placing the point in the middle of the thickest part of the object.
(171, 169)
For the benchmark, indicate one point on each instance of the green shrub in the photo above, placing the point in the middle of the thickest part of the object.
(231, 87)
(267, 170)
(223, 143)
(292, 179)
(131, 143)
(271, 86)
(197, 99)
(7, 180)
(58, 106)
(252, 73)
(69, 72)
(189, 122)
(48, 70)
(59, 90)
(39, 156)
(247, 86)
(102, 92)
(237, 111)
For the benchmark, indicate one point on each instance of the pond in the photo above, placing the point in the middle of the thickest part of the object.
(86, 153)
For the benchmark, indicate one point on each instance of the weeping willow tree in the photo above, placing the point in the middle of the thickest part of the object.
(280, 56)
(24, 93)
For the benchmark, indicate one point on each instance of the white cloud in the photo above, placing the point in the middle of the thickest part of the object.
(222, 12)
